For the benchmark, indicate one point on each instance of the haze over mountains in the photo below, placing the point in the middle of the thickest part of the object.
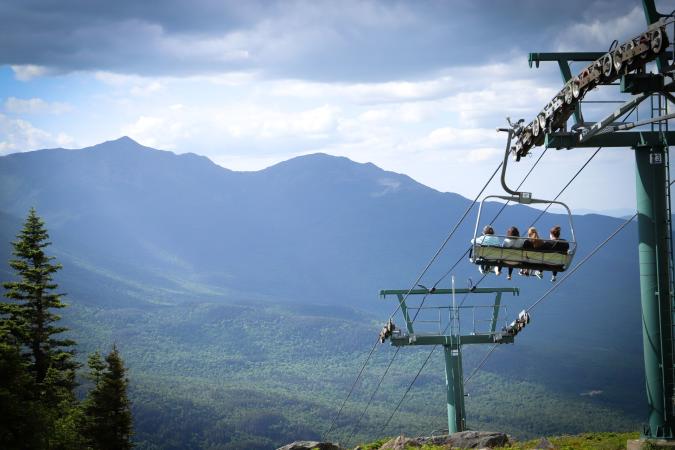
(148, 232)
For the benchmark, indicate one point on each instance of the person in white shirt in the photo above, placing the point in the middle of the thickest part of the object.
(512, 240)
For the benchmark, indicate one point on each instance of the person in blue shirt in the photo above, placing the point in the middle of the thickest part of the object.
(488, 238)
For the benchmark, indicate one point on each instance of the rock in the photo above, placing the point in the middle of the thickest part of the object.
(477, 439)
(544, 444)
(400, 443)
(310, 445)
(464, 439)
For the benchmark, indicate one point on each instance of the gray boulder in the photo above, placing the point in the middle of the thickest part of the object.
(310, 445)
(464, 439)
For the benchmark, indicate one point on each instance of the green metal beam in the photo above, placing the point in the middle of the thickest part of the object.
(454, 385)
(536, 58)
(622, 139)
(437, 339)
(385, 292)
(567, 75)
(655, 289)
(495, 312)
(406, 316)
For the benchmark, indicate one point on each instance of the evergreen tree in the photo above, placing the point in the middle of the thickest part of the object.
(107, 408)
(24, 420)
(29, 316)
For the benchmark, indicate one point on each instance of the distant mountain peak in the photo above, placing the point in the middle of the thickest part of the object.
(123, 143)
(126, 139)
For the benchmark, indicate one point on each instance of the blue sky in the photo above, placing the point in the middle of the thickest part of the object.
(414, 87)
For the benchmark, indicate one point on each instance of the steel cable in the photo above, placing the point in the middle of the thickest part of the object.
(433, 259)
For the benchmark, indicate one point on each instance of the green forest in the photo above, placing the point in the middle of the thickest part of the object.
(39, 374)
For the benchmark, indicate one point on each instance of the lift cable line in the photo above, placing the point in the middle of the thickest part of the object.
(562, 280)
(398, 405)
(447, 239)
(372, 396)
(587, 161)
(433, 259)
(480, 364)
(580, 263)
(567, 275)
(461, 258)
(484, 275)
(566, 186)
(442, 278)
(358, 377)
(450, 270)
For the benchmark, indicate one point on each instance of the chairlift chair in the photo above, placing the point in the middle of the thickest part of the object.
(544, 258)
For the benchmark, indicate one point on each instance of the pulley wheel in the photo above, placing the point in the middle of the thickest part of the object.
(535, 128)
(607, 65)
(576, 88)
(656, 41)
(618, 57)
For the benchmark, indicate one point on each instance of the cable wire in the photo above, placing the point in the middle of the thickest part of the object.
(351, 390)
(461, 258)
(576, 267)
(467, 379)
(447, 239)
(409, 387)
(566, 186)
(372, 396)
(484, 275)
(433, 259)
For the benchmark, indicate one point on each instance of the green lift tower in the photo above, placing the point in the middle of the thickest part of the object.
(627, 64)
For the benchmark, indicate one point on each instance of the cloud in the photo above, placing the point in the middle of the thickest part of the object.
(26, 72)
(158, 132)
(598, 33)
(35, 106)
(18, 135)
(351, 41)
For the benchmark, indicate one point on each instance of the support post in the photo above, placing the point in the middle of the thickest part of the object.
(655, 288)
(454, 388)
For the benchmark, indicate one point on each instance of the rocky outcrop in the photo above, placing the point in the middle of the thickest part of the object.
(310, 445)
(464, 439)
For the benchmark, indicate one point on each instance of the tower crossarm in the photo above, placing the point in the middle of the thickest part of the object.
(625, 59)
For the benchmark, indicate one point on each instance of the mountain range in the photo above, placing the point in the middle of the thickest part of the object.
(203, 274)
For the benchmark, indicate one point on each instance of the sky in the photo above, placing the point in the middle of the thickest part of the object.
(416, 87)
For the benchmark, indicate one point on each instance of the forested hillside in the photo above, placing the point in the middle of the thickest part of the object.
(245, 302)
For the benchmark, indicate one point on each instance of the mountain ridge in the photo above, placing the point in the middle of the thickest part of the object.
(149, 239)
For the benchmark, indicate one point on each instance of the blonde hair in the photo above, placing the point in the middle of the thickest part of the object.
(534, 237)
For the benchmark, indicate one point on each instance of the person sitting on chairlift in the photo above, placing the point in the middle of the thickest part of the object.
(488, 238)
(512, 240)
(534, 242)
(557, 245)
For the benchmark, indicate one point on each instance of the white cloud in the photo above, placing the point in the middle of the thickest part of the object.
(366, 93)
(597, 34)
(17, 135)
(27, 72)
(35, 106)
(158, 132)
(134, 85)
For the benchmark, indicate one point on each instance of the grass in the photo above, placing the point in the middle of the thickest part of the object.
(584, 441)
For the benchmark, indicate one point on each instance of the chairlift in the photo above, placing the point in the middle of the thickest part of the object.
(548, 255)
